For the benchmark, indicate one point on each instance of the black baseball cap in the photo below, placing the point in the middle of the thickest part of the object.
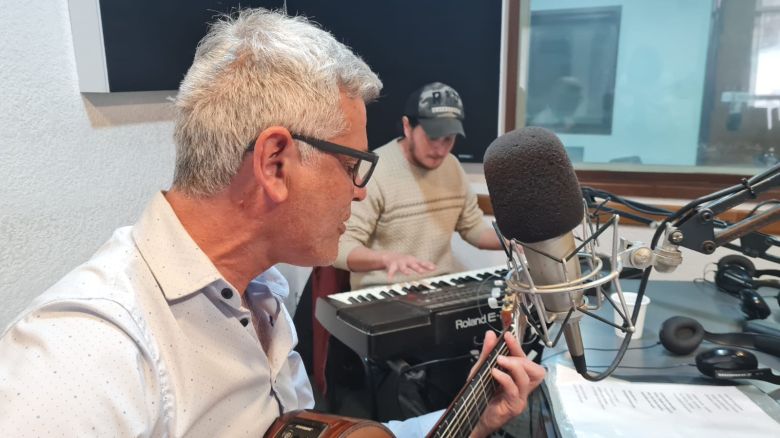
(438, 108)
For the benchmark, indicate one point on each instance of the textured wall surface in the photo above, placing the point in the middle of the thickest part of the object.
(72, 166)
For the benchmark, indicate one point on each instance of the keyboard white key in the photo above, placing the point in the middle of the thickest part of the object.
(387, 291)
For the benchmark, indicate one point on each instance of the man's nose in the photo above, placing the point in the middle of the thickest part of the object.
(359, 193)
(443, 145)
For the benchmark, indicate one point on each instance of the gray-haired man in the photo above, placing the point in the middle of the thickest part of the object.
(175, 326)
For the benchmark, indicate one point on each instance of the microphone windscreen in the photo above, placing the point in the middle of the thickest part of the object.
(532, 185)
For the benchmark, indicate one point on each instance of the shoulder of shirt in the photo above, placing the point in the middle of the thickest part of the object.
(107, 277)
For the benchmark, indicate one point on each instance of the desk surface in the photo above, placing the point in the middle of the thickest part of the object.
(716, 311)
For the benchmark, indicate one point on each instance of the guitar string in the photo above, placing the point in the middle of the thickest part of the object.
(454, 419)
(482, 377)
(468, 402)
(480, 381)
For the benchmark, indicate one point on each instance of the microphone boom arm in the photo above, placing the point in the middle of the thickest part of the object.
(698, 230)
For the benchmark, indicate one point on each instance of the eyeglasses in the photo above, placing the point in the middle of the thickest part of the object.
(360, 171)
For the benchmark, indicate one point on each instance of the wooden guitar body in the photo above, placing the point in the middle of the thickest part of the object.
(312, 424)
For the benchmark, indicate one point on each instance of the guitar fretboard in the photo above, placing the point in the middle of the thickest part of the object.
(463, 415)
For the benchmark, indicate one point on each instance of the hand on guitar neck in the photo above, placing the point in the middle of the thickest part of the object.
(498, 386)
(497, 391)
(516, 376)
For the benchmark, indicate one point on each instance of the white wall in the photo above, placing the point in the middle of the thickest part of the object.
(72, 167)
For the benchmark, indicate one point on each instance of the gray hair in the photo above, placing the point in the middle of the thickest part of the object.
(255, 69)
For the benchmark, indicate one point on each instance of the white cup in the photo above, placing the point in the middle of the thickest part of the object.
(630, 298)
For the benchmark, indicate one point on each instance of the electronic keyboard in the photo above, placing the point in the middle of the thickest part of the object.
(385, 321)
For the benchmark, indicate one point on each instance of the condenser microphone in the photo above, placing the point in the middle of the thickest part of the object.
(537, 201)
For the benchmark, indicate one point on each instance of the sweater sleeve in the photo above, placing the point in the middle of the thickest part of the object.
(361, 224)
(471, 223)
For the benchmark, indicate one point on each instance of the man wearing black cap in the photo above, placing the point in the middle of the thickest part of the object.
(417, 198)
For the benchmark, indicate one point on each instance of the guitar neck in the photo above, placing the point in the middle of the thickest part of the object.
(462, 416)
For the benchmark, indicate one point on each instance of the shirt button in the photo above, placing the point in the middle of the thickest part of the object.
(227, 293)
(244, 321)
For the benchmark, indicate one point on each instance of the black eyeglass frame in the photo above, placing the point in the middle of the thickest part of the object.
(327, 146)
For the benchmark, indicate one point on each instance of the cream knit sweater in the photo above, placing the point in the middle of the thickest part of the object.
(413, 211)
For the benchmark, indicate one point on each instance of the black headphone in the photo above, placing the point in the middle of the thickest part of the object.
(738, 277)
(682, 335)
(733, 363)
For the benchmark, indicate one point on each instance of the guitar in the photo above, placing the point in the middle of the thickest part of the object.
(462, 415)
(313, 424)
(459, 420)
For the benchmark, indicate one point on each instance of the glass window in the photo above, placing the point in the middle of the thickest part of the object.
(661, 86)
(571, 78)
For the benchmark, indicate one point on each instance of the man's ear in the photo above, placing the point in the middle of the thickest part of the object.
(406, 126)
(273, 160)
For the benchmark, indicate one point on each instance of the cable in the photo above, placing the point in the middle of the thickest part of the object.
(707, 270)
(591, 193)
(679, 365)
(761, 204)
(434, 362)
(403, 372)
(644, 347)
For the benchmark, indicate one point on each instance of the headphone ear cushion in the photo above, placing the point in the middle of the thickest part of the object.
(681, 335)
(737, 260)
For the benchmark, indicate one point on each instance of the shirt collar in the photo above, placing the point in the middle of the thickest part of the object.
(176, 261)
(269, 282)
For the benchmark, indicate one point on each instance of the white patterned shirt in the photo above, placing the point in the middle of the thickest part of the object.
(147, 339)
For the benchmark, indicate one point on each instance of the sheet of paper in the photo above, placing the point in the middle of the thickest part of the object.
(614, 408)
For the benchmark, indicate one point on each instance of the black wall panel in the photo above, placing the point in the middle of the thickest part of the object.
(150, 44)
